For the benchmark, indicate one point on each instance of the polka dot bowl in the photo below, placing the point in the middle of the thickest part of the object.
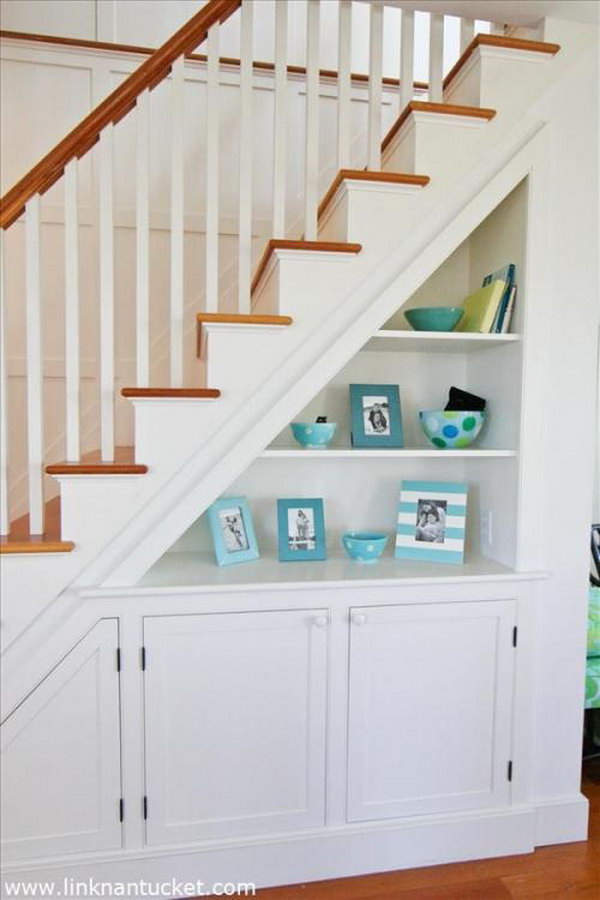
(313, 435)
(451, 429)
(364, 547)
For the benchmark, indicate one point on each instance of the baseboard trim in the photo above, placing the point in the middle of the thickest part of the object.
(309, 856)
(561, 821)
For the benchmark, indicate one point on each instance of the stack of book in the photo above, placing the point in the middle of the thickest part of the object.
(489, 310)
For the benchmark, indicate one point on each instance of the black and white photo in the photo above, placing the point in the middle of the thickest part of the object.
(301, 529)
(431, 521)
(234, 532)
(376, 415)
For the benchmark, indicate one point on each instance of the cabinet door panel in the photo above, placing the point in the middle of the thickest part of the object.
(430, 708)
(61, 768)
(235, 722)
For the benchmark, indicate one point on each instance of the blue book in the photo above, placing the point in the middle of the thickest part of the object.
(507, 274)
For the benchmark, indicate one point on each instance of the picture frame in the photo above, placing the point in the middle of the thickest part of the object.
(301, 529)
(376, 415)
(232, 531)
(431, 521)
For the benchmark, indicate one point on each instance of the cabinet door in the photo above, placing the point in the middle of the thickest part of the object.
(430, 708)
(235, 723)
(61, 767)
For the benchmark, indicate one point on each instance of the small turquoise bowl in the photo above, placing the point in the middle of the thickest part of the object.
(434, 318)
(313, 435)
(364, 547)
(449, 429)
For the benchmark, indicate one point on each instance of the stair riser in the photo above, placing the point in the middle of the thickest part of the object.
(436, 144)
(369, 214)
(498, 78)
(93, 506)
(226, 345)
(186, 423)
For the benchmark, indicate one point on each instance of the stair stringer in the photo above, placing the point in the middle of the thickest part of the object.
(364, 310)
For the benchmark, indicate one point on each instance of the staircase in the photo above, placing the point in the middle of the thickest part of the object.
(389, 217)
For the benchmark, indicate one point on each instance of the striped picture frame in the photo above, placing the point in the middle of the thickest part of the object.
(431, 521)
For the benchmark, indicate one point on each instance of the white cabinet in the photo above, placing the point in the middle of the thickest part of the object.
(235, 723)
(61, 767)
(430, 708)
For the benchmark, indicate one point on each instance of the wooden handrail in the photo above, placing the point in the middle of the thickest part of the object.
(113, 108)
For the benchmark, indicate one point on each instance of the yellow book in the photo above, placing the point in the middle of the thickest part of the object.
(480, 308)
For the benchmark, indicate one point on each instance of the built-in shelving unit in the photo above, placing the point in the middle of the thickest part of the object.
(392, 340)
(391, 453)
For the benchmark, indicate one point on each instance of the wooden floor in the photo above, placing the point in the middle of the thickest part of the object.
(561, 871)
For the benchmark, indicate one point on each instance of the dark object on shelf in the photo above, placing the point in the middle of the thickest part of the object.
(595, 578)
(461, 400)
(321, 419)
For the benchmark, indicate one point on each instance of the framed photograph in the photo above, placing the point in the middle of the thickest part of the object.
(232, 531)
(431, 521)
(376, 415)
(301, 528)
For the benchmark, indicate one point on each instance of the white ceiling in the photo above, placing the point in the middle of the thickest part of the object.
(527, 12)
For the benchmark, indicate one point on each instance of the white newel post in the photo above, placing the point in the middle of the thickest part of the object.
(245, 197)
(107, 297)
(436, 57)
(280, 120)
(177, 180)
(375, 87)
(311, 176)
(407, 56)
(212, 170)
(35, 380)
(72, 366)
(142, 242)
(4, 505)
(344, 84)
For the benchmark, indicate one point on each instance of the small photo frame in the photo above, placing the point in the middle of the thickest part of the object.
(376, 415)
(301, 529)
(232, 531)
(431, 521)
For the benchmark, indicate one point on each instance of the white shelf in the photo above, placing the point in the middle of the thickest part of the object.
(387, 453)
(436, 341)
(198, 572)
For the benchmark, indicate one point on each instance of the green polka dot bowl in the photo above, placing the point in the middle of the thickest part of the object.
(451, 429)
(364, 547)
(313, 435)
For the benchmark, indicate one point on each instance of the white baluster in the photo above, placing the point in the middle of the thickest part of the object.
(212, 170)
(407, 57)
(245, 192)
(142, 242)
(72, 374)
(375, 87)
(107, 297)
(177, 172)
(280, 120)
(4, 505)
(311, 174)
(467, 30)
(436, 57)
(35, 382)
(344, 84)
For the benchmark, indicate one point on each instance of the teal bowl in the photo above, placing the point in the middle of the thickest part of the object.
(450, 429)
(434, 318)
(364, 547)
(313, 435)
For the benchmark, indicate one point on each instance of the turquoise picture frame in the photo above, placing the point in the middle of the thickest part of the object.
(301, 530)
(431, 521)
(376, 415)
(232, 531)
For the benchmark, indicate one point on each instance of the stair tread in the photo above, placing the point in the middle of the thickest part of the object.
(314, 246)
(368, 175)
(448, 109)
(198, 393)
(92, 464)
(19, 539)
(241, 319)
(498, 40)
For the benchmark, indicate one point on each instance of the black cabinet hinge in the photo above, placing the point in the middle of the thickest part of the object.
(143, 658)
(145, 807)
(510, 770)
(121, 809)
(118, 659)
(515, 634)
